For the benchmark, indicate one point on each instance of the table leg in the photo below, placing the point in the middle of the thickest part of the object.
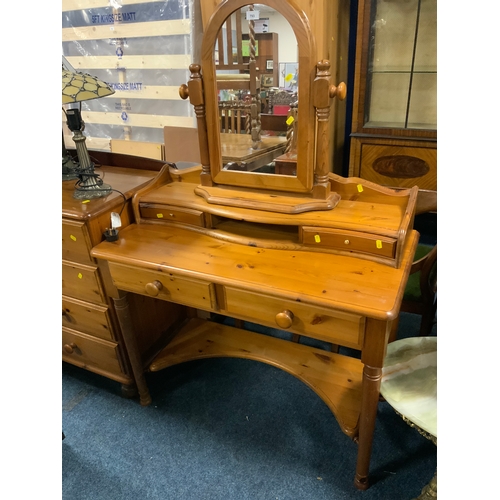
(124, 318)
(371, 388)
(372, 356)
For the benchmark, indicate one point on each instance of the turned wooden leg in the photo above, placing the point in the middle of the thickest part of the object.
(373, 353)
(123, 313)
(369, 404)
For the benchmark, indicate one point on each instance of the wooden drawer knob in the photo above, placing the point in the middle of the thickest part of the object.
(70, 348)
(154, 288)
(284, 319)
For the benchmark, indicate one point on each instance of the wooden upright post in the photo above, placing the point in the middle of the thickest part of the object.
(194, 90)
(323, 92)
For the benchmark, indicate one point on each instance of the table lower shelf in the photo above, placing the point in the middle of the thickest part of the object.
(335, 378)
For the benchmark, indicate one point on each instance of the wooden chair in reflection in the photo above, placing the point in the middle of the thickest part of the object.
(235, 117)
(237, 72)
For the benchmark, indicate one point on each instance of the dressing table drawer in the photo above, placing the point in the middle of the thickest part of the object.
(304, 319)
(348, 241)
(165, 286)
(173, 214)
(90, 352)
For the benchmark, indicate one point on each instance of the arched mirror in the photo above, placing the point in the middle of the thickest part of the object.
(242, 95)
(239, 155)
(257, 94)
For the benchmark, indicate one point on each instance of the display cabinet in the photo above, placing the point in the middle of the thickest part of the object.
(394, 125)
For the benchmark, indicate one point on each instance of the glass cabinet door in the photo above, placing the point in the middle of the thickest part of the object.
(402, 65)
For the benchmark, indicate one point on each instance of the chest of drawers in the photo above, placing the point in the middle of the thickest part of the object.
(91, 336)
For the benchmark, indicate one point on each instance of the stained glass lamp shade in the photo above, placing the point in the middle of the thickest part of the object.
(77, 87)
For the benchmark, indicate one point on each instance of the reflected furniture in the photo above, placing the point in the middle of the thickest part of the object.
(236, 72)
(237, 148)
(409, 385)
(394, 122)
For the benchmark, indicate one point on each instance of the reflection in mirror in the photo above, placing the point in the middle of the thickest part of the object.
(257, 91)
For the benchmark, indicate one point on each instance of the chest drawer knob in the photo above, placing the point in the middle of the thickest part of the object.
(70, 348)
(154, 288)
(284, 319)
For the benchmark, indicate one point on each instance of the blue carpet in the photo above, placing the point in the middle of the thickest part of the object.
(227, 429)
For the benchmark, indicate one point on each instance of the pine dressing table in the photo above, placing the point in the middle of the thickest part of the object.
(313, 253)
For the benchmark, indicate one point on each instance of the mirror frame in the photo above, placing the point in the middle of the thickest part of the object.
(303, 181)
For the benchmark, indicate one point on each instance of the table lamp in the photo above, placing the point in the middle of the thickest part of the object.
(77, 87)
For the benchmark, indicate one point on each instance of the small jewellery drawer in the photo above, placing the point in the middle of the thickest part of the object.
(86, 317)
(173, 214)
(82, 282)
(349, 241)
(76, 242)
(304, 319)
(84, 350)
(165, 286)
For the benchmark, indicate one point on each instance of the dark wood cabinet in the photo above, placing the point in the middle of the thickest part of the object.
(267, 57)
(394, 126)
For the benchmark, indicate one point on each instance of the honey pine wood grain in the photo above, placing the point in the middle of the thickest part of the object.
(91, 337)
(347, 283)
(335, 379)
(352, 211)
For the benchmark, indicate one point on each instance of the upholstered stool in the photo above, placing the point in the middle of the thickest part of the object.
(409, 385)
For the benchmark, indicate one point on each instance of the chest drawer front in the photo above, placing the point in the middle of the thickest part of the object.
(165, 286)
(349, 241)
(319, 323)
(76, 242)
(173, 214)
(86, 351)
(82, 282)
(87, 318)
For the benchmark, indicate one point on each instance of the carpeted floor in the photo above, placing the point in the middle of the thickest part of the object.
(227, 429)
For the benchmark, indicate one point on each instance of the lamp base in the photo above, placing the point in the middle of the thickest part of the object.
(68, 169)
(89, 192)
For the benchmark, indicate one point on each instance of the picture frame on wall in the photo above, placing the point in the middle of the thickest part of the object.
(267, 81)
(269, 64)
